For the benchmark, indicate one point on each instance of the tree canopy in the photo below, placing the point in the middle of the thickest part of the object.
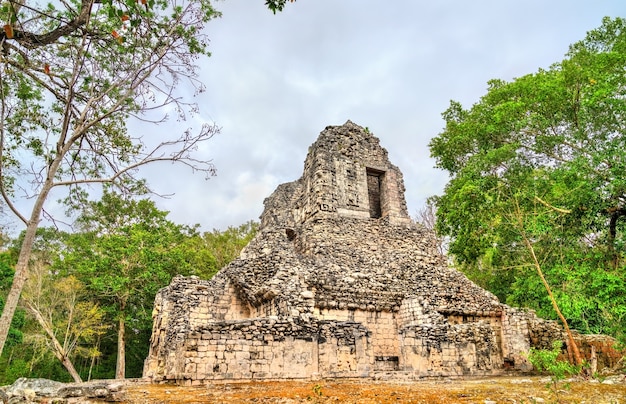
(73, 73)
(90, 293)
(126, 251)
(542, 158)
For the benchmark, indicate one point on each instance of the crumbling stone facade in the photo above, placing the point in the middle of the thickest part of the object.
(338, 282)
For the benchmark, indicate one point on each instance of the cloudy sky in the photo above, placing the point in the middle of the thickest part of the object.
(275, 81)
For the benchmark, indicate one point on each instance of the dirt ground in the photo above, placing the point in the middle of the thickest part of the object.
(483, 391)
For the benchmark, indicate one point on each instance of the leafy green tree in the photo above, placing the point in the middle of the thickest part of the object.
(126, 251)
(54, 293)
(166, 250)
(537, 183)
(212, 251)
(73, 73)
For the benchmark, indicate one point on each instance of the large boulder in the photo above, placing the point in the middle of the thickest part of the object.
(25, 390)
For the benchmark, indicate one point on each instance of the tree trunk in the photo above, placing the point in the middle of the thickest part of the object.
(571, 343)
(593, 362)
(57, 348)
(93, 360)
(21, 268)
(120, 369)
(19, 279)
(614, 256)
(67, 363)
(20, 276)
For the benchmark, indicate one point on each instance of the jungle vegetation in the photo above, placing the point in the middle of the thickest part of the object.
(535, 209)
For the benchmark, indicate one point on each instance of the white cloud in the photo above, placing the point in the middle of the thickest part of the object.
(275, 81)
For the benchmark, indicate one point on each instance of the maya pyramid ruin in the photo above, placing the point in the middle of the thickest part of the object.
(338, 282)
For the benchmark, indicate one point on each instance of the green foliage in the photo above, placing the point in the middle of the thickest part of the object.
(276, 5)
(541, 158)
(27, 355)
(128, 250)
(73, 73)
(546, 361)
(124, 251)
(317, 393)
(13, 370)
(317, 390)
(211, 251)
(54, 304)
(6, 270)
(65, 312)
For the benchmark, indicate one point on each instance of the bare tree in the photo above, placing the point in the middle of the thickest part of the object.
(427, 217)
(73, 73)
(71, 325)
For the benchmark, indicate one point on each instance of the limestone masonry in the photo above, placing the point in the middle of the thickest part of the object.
(339, 282)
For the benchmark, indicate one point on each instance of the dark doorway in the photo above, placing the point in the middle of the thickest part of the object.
(374, 181)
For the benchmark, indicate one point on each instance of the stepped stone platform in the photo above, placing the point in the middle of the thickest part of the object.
(339, 282)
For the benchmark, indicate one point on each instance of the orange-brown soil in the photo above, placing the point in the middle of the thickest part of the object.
(491, 390)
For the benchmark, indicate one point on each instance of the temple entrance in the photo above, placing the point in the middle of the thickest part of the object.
(374, 182)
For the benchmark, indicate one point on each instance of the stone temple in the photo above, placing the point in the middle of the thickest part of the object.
(338, 282)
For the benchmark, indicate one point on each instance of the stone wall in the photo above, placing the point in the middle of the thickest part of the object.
(450, 350)
(189, 348)
(382, 327)
(434, 344)
(263, 348)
